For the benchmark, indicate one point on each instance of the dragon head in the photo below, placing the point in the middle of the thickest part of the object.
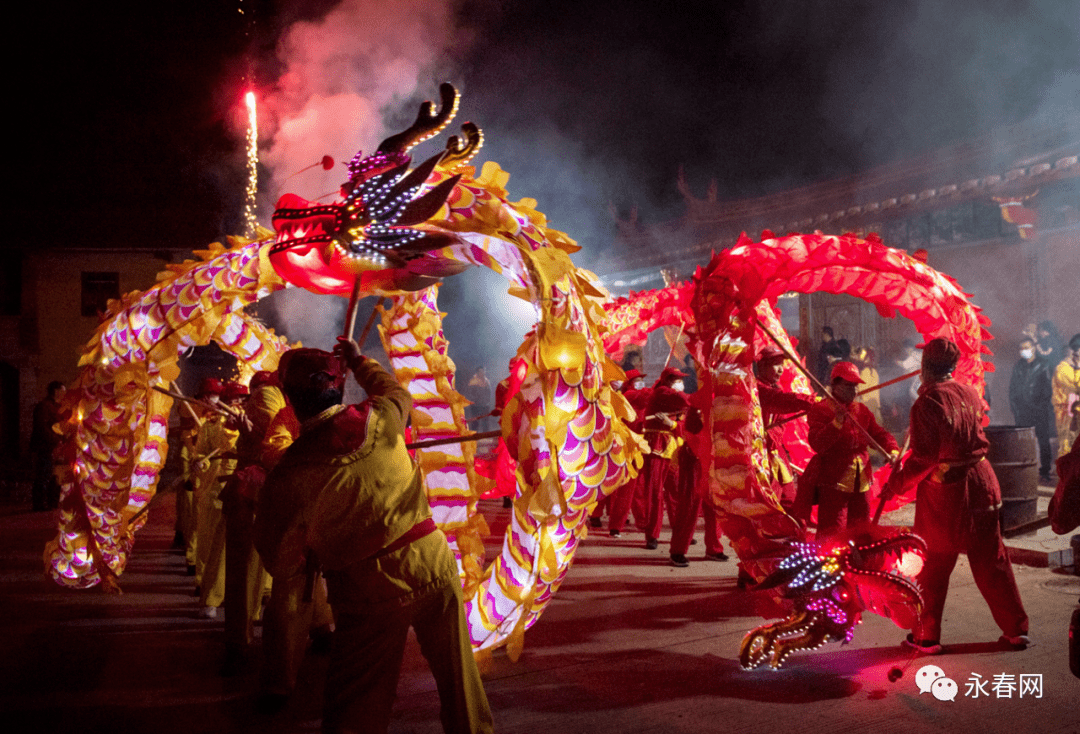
(376, 231)
(831, 585)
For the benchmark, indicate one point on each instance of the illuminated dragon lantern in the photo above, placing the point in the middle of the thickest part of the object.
(396, 231)
(720, 311)
(830, 586)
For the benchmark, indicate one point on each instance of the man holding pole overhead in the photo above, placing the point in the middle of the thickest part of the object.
(348, 492)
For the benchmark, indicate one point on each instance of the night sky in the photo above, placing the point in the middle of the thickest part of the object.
(127, 128)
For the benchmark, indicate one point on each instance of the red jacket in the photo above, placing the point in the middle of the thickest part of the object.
(776, 402)
(840, 447)
(948, 450)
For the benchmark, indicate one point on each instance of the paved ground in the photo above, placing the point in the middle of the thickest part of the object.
(630, 644)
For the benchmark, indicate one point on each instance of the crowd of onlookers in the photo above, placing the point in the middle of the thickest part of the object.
(1044, 389)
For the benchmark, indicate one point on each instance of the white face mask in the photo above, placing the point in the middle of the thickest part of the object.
(678, 385)
(1027, 353)
(637, 384)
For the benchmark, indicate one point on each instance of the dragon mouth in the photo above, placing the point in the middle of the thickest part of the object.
(302, 225)
(898, 556)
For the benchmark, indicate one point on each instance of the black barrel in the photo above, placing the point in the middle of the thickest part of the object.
(1014, 454)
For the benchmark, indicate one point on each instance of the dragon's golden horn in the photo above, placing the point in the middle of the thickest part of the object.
(428, 124)
(459, 152)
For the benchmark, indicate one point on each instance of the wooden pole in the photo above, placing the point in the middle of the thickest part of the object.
(674, 344)
(184, 403)
(370, 323)
(222, 409)
(821, 388)
(881, 504)
(354, 304)
(867, 391)
(453, 439)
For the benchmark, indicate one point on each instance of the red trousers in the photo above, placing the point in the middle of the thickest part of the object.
(993, 576)
(839, 511)
(621, 501)
(685, 506)
(652, 493)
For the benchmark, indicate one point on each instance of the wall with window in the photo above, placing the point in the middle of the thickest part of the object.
(60, 296)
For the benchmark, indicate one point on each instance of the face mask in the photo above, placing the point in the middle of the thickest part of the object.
(678, 385)
(1027, 353)
(637, 384)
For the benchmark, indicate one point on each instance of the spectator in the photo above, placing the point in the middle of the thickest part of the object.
(866, 361)
(824, 365)
(478, 391)
(690, 382)
(1066, 397)
(1048, 343)
(43, 442)
(1029, 398)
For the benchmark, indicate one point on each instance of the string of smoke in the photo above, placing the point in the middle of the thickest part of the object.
(589, 112)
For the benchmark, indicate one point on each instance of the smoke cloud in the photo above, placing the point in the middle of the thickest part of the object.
(340, 73)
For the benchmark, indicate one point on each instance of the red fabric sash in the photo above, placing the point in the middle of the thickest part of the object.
(417, 531)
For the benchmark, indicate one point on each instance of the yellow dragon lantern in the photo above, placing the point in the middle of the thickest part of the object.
(396, 230)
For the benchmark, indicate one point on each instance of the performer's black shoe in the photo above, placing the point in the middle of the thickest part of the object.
(721, 556)
(926, 647)
(321, 640)
(595, 522)
(614, 533)
(679, 560)
(269, 704)
(693, 541)
(651, 543)
(236, 662)
(1020, 642)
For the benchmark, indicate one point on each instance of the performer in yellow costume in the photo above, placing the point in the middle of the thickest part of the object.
(291, 615)
(246, 580)
(1066, 397)
(348, 492)
(214, 459)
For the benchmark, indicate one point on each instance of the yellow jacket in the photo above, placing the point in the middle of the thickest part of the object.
(346, 489)
(1066, 388)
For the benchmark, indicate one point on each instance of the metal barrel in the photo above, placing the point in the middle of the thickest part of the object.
(1014, 454)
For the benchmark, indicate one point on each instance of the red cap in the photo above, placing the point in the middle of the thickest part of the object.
(940, 355)
(632, 375)
(847, 372)
(669, 375)
(210, 386)
(771, 351)
(297, 366)
(263, 377)
(234, 390)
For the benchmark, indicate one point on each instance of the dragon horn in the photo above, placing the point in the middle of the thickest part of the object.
(458, 152)
(427, 125)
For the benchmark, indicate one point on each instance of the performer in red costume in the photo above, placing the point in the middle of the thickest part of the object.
(839, 475)
(776, 402)
(958, 503)
(623, 498)
(686, 501)
(667, 406)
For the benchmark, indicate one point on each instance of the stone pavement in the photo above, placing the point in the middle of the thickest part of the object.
(629, 644)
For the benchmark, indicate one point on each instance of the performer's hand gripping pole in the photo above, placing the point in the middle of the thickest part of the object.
(821, 388)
